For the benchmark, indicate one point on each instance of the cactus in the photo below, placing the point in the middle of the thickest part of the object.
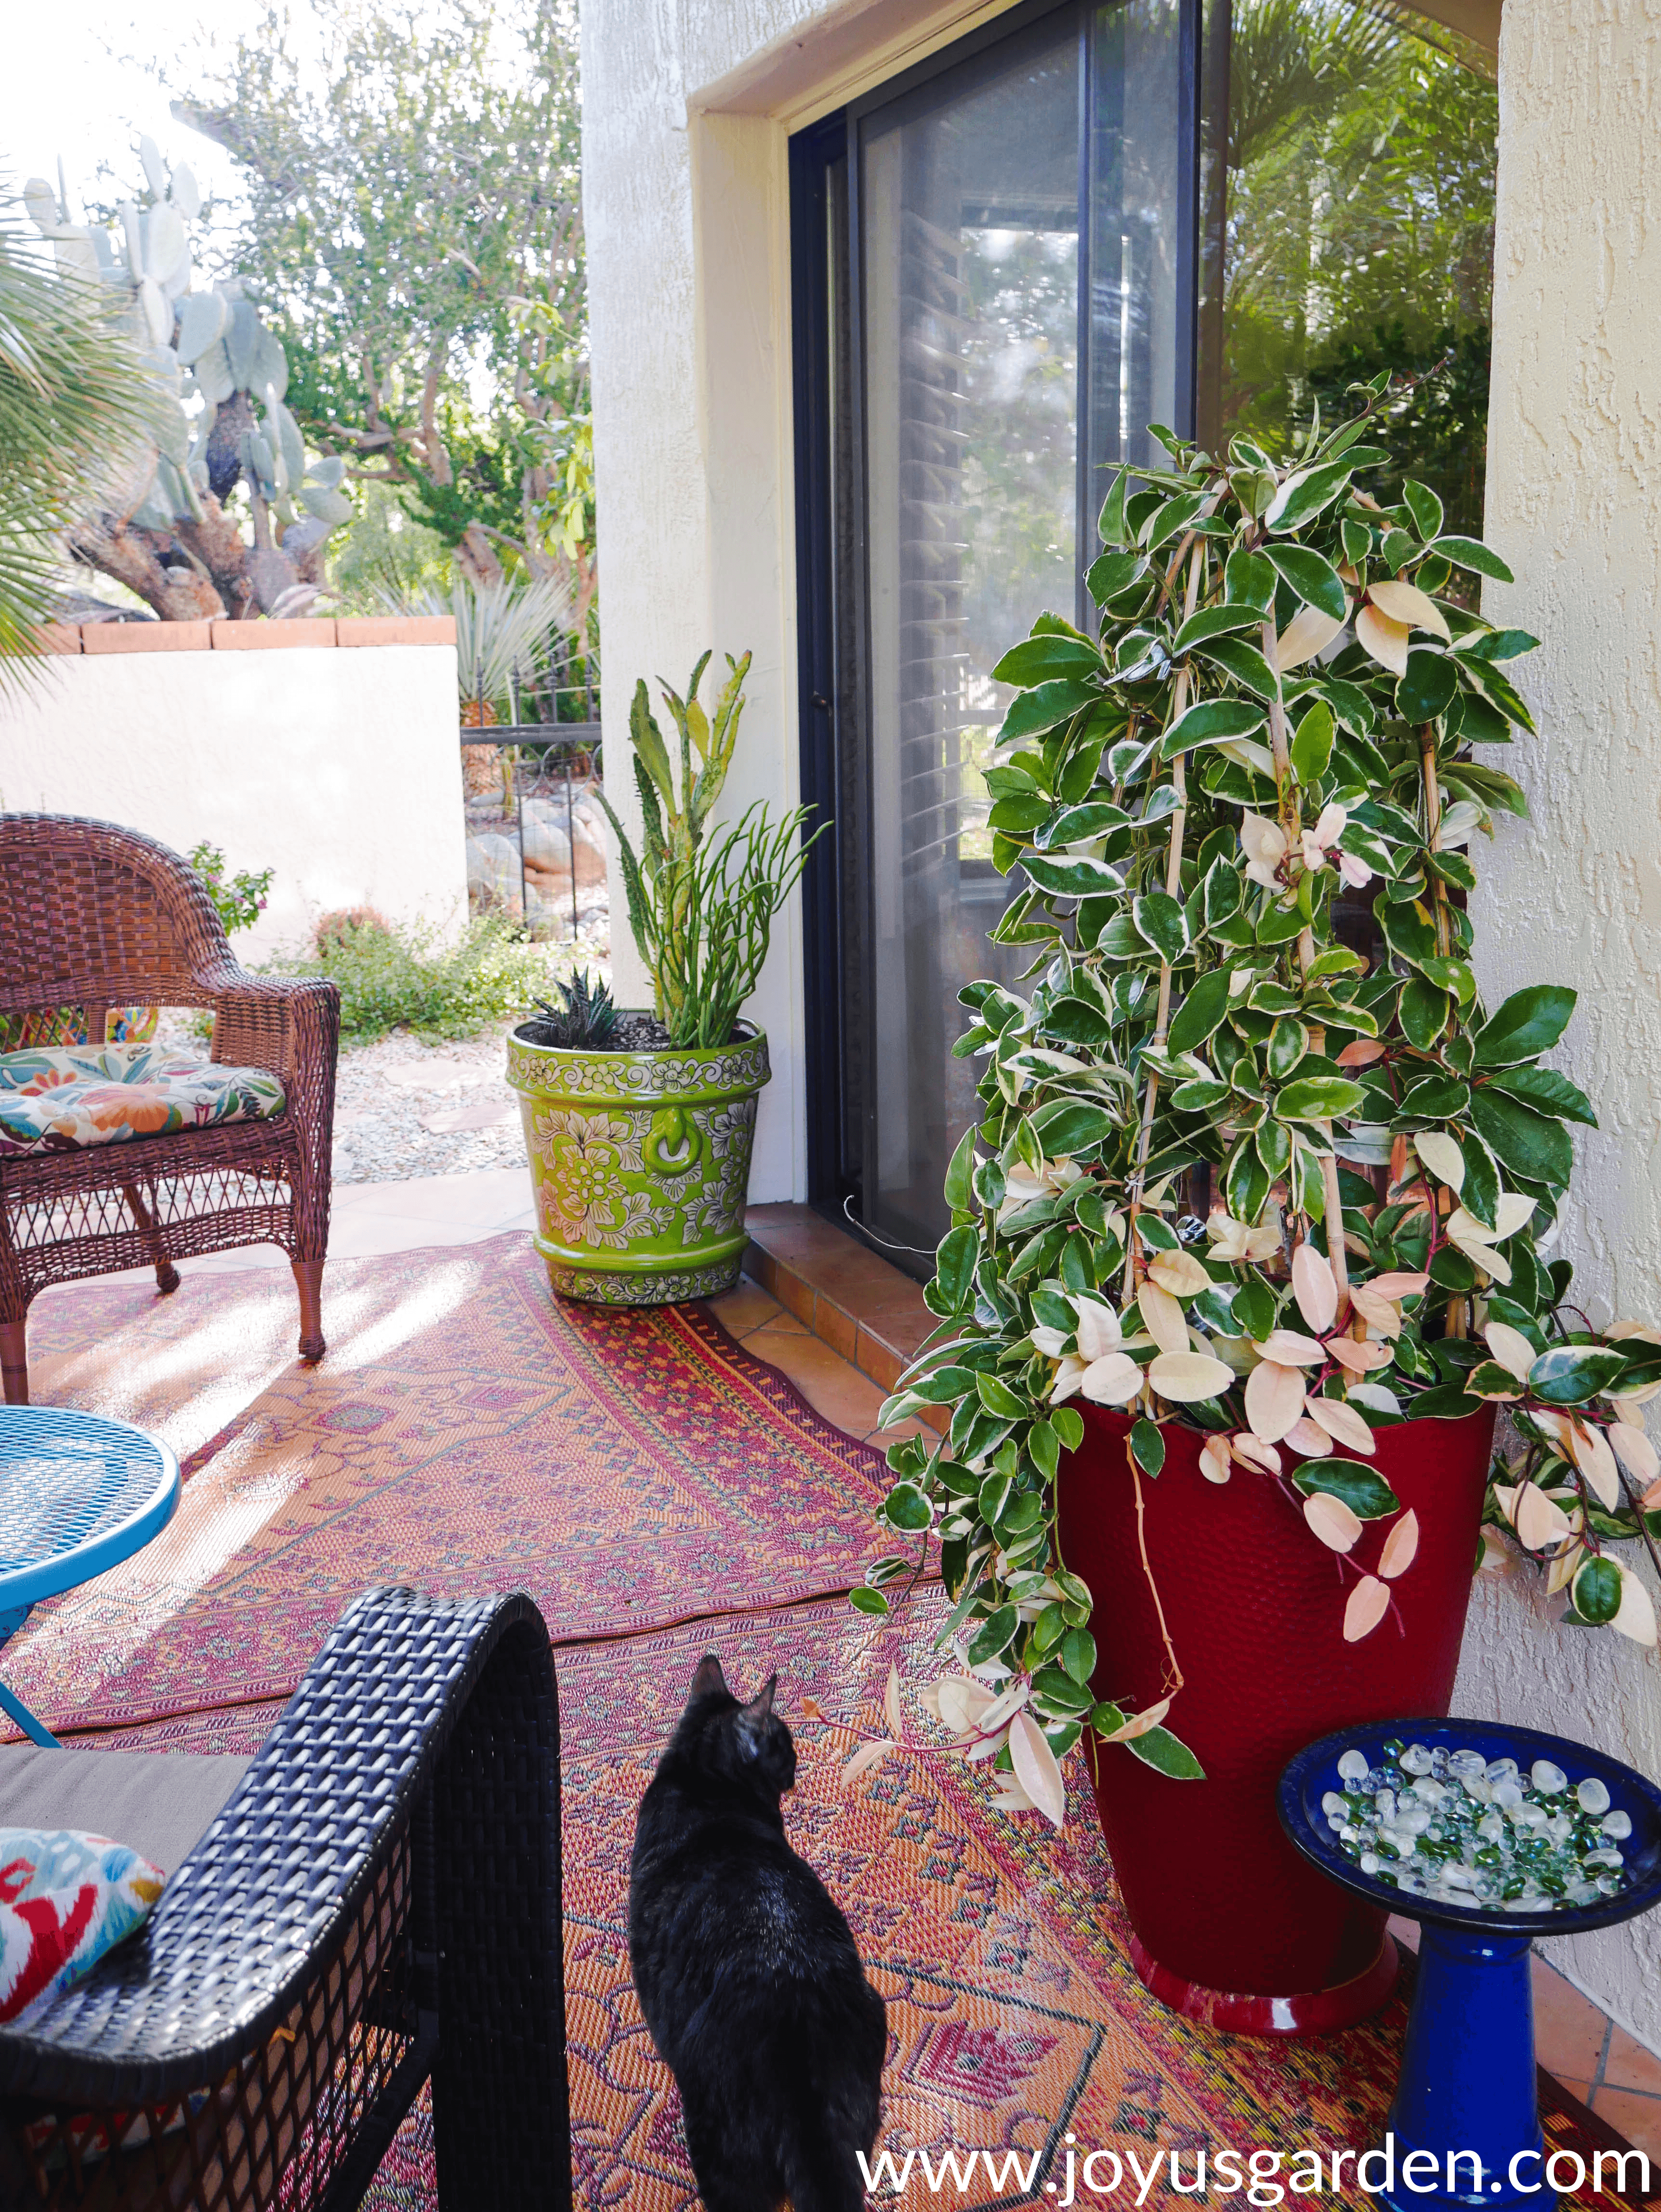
(218, 369)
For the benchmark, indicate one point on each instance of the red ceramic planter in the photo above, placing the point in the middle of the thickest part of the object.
(1230, 1925)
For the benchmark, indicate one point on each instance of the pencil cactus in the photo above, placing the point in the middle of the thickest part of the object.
(219, 421)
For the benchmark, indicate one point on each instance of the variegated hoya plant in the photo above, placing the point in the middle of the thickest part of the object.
(1244, 817)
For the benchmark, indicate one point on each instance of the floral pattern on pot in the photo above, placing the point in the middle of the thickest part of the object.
(582, 1199)
(641, 1164)
(64, 1101)
(636, 1074)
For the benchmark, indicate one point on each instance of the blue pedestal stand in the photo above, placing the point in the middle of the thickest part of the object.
(1465, 2118)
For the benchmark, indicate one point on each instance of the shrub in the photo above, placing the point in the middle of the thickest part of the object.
(239, 899)
(391, 977)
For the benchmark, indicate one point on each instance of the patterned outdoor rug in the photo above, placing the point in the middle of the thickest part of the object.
(1018, 2027)
(465, 1432)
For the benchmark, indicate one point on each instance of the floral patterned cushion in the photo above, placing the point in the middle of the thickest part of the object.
(55, 1101)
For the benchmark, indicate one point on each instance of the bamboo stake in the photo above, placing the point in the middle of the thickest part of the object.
(1285, 791)
(1458, 1305)
(1173, 878)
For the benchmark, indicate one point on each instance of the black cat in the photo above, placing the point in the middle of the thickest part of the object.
(747, 1972)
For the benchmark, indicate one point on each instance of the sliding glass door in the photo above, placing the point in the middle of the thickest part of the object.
(999, 249)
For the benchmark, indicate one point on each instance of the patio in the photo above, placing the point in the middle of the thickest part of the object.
(683, 1496)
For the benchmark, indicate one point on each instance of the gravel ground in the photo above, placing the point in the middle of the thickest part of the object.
(404, 1109)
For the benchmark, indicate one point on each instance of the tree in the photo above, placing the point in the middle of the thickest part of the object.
(73, 407)
(415, 229)
(1358, 234)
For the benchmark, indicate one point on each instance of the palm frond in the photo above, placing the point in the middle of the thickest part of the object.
(75, 401)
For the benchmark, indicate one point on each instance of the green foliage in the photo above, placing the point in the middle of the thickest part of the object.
(1361, 153)
(701, 914)
(392, 978)
(239, 899)
(1212, 806)
(585, 1020)
(415, 220)
(73, 407)
(507, 634)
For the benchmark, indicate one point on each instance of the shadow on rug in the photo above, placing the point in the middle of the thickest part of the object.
(466, 1432)
(1017, 2021)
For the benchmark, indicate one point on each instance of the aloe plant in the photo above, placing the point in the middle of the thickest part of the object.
(1229, 1172)
(702, 915)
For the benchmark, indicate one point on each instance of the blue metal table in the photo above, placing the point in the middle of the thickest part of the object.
(77, 1494)
(1465, 2104)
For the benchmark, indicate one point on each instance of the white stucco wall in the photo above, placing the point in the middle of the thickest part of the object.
(340, 770)
(1574, 896)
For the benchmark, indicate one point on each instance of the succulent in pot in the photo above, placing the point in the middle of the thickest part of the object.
(639, 1123)
(1255, 1231)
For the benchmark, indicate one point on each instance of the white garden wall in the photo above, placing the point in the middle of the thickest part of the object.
(334, 762)
(1574, 896)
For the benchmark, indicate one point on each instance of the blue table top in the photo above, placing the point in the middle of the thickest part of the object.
(78, 1495)
(1314, 1771)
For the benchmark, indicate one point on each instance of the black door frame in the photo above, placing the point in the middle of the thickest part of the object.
(827, 720)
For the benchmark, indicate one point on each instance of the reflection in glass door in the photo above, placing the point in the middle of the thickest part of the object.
(999, 374)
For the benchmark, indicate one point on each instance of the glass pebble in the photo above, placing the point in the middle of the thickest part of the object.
(1453, 1827)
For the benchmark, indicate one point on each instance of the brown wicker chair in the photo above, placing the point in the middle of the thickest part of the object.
(96, 916)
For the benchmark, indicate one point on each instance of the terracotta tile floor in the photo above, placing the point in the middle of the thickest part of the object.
(1594, 2059)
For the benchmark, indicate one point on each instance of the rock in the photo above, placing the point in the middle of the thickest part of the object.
(493, 875)
(547, 848)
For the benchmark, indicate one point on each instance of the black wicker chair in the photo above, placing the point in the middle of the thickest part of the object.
(379, 1900)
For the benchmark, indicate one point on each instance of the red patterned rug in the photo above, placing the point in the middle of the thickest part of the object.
(465, 1432)
(659, 1492)
(1018, 2027)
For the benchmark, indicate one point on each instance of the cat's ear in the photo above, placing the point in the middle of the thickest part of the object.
(761, 1707)
(708, 1677)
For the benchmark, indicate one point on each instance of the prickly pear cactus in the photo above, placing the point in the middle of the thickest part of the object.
(219, 425)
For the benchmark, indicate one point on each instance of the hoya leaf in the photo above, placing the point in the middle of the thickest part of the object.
(1528, 1023)
(1035, 661)
(906, 1508)
(1148, 1442)
(1159, 920)
(1168, 1754)
(1470, 553)
(1201, 1012)
(1313, 577)
(1362, 1488)
(1570, 1374)
(1212, 719)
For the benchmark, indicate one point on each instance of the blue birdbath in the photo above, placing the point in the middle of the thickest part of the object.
(1467, 2085)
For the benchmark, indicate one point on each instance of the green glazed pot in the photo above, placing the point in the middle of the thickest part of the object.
(641, 1164)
